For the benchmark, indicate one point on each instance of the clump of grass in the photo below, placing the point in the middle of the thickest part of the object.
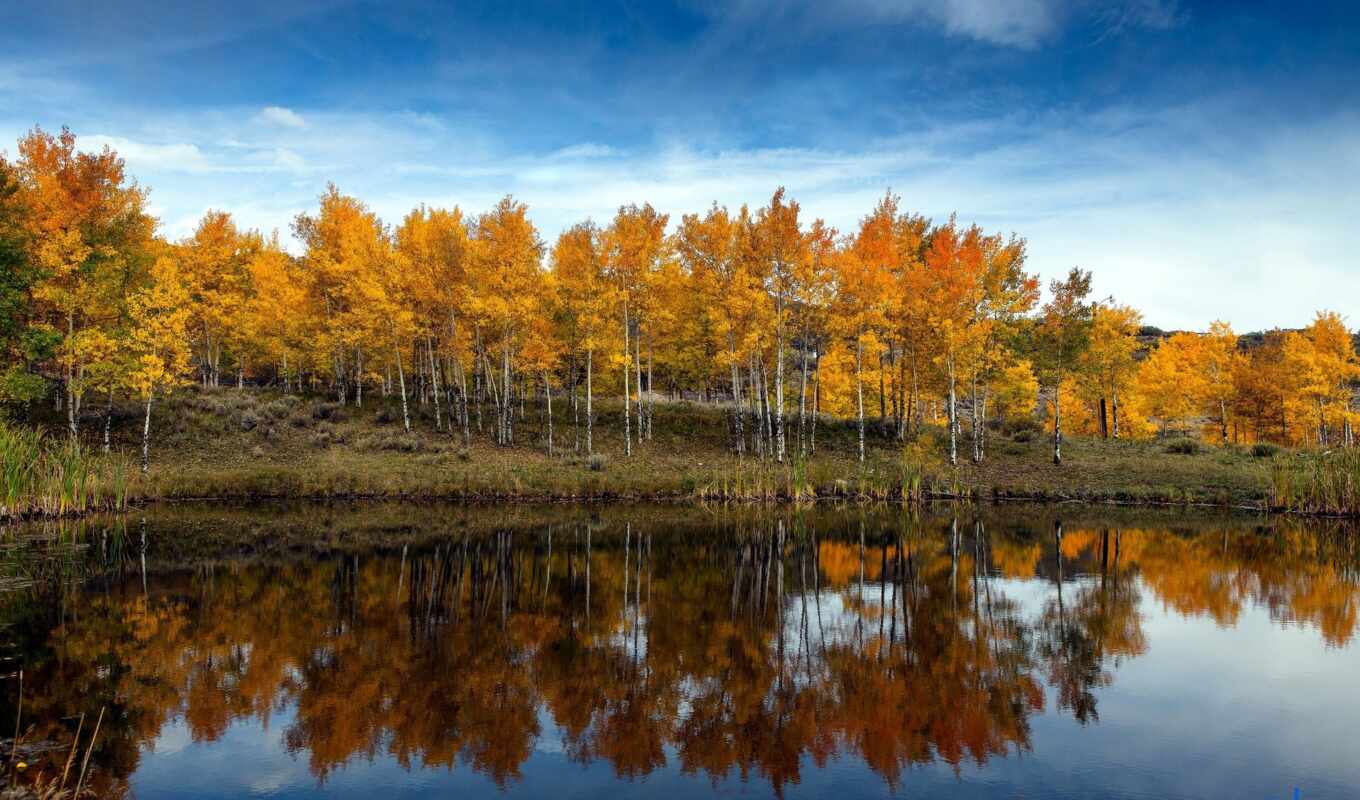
(328, 411)
(393, 442)
(597, 462)
(800, 487)
(1317, 483)
(1264, 450)
(20, 454)
(281, 408)
(46, 476)
(1183, 447)
(325, 436)
(1025, 430)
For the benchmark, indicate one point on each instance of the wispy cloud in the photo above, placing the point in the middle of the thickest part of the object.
(174, 157)
(1014, 23)
(1189, 233)
(280, 116)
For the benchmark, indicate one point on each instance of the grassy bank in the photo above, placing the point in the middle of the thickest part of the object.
(232, 443)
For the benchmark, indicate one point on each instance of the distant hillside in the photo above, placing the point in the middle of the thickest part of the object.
(1149, 336)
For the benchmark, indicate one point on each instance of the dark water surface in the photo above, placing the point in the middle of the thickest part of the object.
(644, 651)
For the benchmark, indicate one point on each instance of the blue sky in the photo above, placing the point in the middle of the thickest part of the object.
(1202, 158)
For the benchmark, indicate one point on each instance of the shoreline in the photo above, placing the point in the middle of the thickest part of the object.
(229, 500)
(259, 445)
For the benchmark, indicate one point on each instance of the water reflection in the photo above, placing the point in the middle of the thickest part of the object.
(721, 645)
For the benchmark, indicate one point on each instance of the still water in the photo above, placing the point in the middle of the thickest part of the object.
(645, 651)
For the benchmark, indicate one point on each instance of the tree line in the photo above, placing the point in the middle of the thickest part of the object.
(901, 323)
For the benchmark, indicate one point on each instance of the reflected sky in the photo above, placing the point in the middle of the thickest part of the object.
(669, 653)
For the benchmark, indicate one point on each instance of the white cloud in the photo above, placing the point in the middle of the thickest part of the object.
(1173, 212)
(584, 150)
(280, 117)
(1022, 23)
(178, 157)
(1012, 23)
(288, 159)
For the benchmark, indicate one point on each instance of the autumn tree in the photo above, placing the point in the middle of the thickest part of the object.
(784, 250)
(710, 247)
(436, 246)
(339, 241)
(1062, 334)
(506, 275)
(635, 244)
(90, 236)
(1109, 365)
(1216, 361)
(584, 298)
(216, 261)
(159, 347)
(271, 313)
(1169, 382)
(1006, 293)
(22, 346)
(954, 269)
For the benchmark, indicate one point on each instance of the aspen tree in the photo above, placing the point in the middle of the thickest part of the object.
(90, 238)
(1063, 334)
(159, 319)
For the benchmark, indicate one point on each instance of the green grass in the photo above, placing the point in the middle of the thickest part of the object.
(256, 443)
(1325, 483)
(50, 475)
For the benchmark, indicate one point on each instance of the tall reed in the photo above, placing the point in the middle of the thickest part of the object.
(1317, 483)
(49, 476)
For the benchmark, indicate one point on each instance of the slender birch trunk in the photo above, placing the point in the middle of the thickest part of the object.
(590, 409)
(651, 389)
(882, 392)
(816, 403)
(508, 403)
(108, 420)
(953, 417)
(766, 413)
(641, 398)
(802, 401)
(859, 391)
(918, 410)
(1057, 422)
(146, 437)
(977, 422)
(358, 376)
(575, 408)
(71, 375)
(738, 412)
(627, 423)
(434, 382)
(401, 379)
(779, 394)
(547, 391)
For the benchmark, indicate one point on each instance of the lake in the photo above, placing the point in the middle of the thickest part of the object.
(353, 650)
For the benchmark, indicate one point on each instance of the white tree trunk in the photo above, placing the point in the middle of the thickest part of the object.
(859, 391)
(779, 395)
(146, 438)
(401, 379)
(590, 408)
(953, 418)
(627, 423)
(1057, 423)
(547, 390)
